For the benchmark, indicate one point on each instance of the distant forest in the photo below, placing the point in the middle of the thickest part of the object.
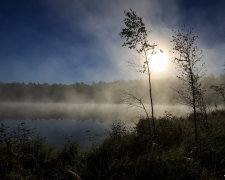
(102, 92)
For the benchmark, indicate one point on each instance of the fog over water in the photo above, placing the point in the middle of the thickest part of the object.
(85, 123)
(97, 112)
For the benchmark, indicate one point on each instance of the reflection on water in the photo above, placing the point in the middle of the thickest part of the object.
(58, 131)
(99, 112)
(86, 123)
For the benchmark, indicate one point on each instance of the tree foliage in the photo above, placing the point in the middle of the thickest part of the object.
(135, 37)
(135, 33)
(190, 69)
(219, 89)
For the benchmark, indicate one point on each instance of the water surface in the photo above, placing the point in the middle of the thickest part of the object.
(86, 123)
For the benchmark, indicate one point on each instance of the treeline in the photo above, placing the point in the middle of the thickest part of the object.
(102, 92)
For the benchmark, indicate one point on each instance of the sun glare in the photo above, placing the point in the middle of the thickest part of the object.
(158, 61)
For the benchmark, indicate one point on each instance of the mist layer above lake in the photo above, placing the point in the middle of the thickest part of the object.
(85, 123)
(96, 112)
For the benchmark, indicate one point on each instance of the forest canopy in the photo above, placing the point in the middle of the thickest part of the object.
(102, 92)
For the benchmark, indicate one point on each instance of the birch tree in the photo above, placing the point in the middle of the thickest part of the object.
(135, 37)
(190, 70)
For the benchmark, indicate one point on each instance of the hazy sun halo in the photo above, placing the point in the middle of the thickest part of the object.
(158, 61)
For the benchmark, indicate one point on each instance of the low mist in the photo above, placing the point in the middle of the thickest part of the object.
(84, 112)
(103, 92)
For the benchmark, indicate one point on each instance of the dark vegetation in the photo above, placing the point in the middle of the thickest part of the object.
(103, 92)
(125, 154)
(177, 148)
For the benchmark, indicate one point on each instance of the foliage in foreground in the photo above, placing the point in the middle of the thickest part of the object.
(123, 155)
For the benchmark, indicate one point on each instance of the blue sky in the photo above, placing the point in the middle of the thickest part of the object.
(58, 41)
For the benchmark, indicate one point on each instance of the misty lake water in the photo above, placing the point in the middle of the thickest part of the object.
(86, 123)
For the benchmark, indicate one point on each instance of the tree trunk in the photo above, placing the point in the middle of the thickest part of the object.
(149, 126)
(150, 94)
(194, 105)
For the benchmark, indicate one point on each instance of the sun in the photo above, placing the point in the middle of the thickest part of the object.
(158, 61)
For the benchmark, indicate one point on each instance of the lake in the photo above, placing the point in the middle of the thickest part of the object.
(86, 123)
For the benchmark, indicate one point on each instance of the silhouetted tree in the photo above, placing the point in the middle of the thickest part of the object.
(136, 35)
(188, 61)
(201, 104)
(219, 89)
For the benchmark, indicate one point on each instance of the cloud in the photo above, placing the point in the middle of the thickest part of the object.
(106, 23)
(84, 44)
(215, 58)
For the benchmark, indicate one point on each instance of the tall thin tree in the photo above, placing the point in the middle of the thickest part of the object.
(136, 37)
(190, 69)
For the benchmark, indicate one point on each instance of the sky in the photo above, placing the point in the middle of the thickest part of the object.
(68, 41)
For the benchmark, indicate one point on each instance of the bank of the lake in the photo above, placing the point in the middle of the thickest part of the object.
(124, 154)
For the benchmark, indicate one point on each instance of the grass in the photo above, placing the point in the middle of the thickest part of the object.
(125, 154)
